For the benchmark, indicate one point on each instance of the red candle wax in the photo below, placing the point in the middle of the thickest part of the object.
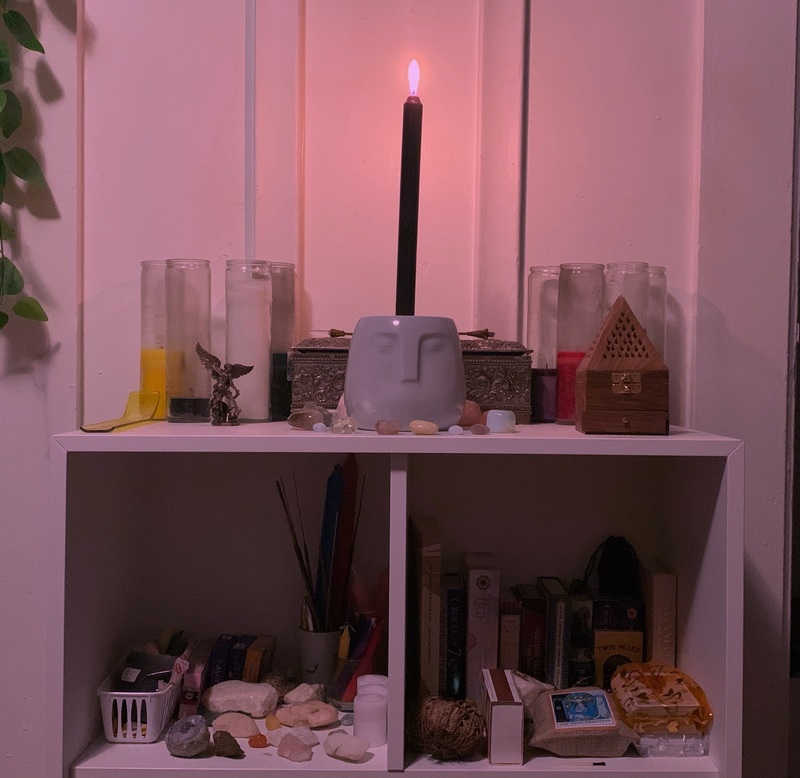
(566, 364)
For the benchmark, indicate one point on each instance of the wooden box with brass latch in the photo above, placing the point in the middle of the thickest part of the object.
(622, 384)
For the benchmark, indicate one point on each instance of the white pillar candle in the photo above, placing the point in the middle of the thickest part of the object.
(371, 679)
(369, 718)
(248, 294)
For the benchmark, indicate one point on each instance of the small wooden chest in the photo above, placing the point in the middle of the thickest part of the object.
(622, 384)
(497, 373)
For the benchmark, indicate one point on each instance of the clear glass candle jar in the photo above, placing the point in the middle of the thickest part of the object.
(543, 314)
(631, 281)
(657, 308)
(188, 300)
(153, 332)
(248, 302)
(580, 316)
(282, 337)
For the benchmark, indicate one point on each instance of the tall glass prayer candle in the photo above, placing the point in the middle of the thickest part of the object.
(153, 332)
(248, 299)
(657, 308)
(188, 296)
(409, 197)
(628, 280)
(542, 328)
(282, 337)
(580, 316)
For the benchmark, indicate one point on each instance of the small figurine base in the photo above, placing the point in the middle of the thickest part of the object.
(224, 409)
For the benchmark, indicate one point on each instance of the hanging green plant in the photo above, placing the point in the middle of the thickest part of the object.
(16, 161)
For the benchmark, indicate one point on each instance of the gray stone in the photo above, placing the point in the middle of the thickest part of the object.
(188, 737)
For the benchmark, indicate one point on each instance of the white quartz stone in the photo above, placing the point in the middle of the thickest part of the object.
(343, 746)
(305, 692)
(303, 734)
(257, 699)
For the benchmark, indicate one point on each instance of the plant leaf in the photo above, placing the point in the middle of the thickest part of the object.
(3, 319)
(10, 113)
(18, 26)
(23, 165)
(5, 62)
(6, 230)
(11, 281)
(29, 308)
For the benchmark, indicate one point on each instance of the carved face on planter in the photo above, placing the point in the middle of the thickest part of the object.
(405, 368)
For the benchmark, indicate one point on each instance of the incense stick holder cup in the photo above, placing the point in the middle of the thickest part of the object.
(318, 653)
(405, 368)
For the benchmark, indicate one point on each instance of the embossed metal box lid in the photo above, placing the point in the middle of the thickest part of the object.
(497, 373)
(622, 384)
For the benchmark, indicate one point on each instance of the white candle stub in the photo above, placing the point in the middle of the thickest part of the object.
(369, 718)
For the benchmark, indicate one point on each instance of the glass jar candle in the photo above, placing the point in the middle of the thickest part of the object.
(629, 280)
(188, 300)
(248, 301)
(282, 337)
(657, 308)
(542, 328)
(153, 332)
(580, 316)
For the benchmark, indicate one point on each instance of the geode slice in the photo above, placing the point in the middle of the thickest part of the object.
(188, 737)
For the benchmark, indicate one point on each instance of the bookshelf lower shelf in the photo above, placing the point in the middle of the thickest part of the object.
(102, 759)
(629, 766)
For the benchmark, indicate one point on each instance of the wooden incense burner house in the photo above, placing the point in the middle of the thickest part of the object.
(622, 384)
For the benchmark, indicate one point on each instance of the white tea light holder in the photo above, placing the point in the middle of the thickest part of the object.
(405, 368)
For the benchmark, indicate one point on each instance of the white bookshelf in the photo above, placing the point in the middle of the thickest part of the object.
(179, 525)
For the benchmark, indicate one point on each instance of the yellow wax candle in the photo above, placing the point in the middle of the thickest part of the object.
(153, 377)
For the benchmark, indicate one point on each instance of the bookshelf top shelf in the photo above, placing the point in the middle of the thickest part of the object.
(278, 437)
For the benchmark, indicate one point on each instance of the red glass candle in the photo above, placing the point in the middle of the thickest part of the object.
(580, 316)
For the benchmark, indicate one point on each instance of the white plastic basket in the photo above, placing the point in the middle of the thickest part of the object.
(135, 717)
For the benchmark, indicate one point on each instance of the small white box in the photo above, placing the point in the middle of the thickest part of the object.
(505, 717)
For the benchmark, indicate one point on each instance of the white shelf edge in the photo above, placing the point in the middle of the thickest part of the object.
(278, 437)
(102, 759)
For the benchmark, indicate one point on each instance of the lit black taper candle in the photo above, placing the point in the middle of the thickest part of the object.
(409, 197)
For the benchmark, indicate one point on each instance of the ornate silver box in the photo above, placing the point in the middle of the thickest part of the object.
(497, 372)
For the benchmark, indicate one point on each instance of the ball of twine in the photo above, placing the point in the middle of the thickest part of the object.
(449, 729)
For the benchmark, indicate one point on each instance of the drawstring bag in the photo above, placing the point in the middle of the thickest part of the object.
(617, 569)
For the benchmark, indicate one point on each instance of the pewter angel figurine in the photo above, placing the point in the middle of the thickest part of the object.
(224, 408)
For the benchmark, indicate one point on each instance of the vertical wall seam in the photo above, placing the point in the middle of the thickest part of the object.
(250, 130)
(80, 209)
(523, 170)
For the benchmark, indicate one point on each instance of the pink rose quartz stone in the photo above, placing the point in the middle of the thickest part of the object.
(388, 427)
(293, 749)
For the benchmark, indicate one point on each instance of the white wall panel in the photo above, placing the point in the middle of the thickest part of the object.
(164, 169)
(357, 54)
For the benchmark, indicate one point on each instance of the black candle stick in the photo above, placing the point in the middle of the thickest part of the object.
(409, 197)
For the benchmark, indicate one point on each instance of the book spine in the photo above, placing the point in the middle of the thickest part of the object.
(660, 615)
(483, 590)
(508, 646)
(237, 656)
(532, 638)
(218, 661)
(456, 642)
(559, 644)
(430, 618)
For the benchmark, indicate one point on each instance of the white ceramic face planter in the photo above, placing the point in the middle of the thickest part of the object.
(405, 368)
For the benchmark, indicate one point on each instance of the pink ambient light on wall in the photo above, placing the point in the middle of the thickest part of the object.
(409, 196)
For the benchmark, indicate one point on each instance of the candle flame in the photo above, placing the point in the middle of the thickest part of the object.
(413, 76)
